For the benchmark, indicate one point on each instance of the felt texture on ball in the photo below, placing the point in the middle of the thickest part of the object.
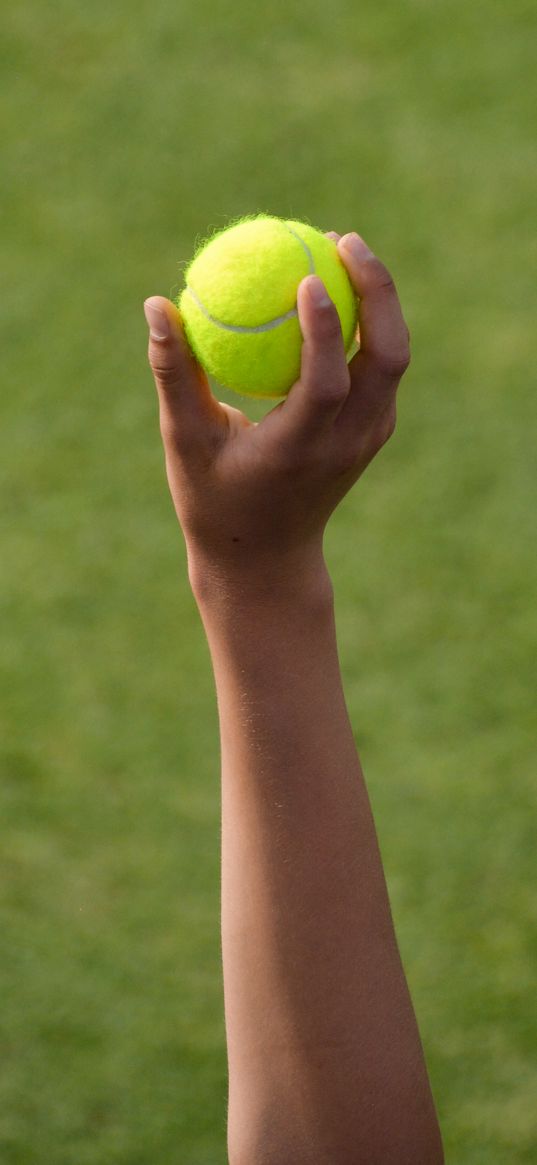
(239, 305)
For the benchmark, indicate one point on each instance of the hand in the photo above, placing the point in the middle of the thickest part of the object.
(256, 497)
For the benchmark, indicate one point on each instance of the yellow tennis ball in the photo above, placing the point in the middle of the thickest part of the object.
(239, 306)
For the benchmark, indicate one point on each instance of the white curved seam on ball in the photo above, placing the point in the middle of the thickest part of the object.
(275, 323)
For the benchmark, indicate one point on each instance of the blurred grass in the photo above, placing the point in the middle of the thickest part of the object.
(127, 132)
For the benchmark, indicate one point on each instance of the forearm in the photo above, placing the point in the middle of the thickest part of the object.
(325, 1061)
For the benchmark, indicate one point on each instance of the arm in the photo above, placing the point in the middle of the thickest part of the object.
(325, 1061)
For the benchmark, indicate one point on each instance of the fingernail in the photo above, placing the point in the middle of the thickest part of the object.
(159, 327)
(317, 292)
(356, 246)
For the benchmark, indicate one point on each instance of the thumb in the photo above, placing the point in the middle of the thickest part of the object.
(185, 398)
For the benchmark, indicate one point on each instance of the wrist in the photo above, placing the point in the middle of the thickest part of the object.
(297, 578)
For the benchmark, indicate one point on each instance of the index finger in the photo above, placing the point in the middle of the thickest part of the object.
(384, 338)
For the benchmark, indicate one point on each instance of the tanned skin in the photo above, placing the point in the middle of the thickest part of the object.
(326, 1066)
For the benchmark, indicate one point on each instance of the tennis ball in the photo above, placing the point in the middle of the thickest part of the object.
(239, 306)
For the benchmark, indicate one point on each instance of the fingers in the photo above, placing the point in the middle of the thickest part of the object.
(185, 398)
(384, 339)
(324, 383)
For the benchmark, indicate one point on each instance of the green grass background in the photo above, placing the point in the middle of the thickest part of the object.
(127, 131)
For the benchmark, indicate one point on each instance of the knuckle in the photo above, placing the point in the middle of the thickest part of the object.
(332, 390)
(166, 375)
(335, 395)
(395, 364)
(328, 323)
(378, 274)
